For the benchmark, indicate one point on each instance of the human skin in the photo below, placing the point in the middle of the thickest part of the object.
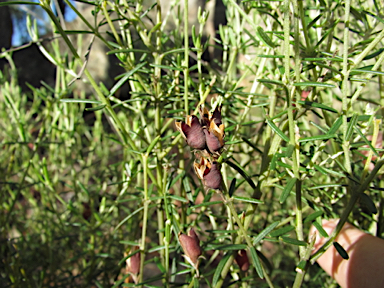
(365, 266)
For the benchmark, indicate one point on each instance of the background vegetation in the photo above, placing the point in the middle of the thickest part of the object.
(86, 177)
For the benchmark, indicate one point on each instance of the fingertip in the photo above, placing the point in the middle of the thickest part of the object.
(328, 226)
(363, 251)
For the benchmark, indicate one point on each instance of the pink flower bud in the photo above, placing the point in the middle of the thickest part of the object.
(133, 266)
(191, 246)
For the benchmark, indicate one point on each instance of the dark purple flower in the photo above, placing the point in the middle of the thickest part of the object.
(212, 177)
(242, 260)
(192, 131)
(209, 173)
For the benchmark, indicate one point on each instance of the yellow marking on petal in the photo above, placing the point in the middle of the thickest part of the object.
(217, 131)
(188, 120)
(180, 129)
(199, 170)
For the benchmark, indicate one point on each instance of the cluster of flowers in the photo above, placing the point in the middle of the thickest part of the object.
(205, 135)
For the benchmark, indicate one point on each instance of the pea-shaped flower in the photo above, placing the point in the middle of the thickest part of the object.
(213, 129)
(191, 247)
(214, 136)
(209, 173)
(192, 131)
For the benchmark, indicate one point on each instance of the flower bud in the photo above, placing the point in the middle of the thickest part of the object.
(191, 246)
(192, 132)
(242, 260)
(133, 266)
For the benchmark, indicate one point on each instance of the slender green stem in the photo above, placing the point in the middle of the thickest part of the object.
(145, 217)
(301, 273)
(186, 58)
(293, 127)
(376, 129)
(287, 30)
(375, 67)
(225, 271)
(300, 10)
(296, 9)
(106, 15)
(243, 232)
(376, 40)
(346, 88)
(299, 218)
